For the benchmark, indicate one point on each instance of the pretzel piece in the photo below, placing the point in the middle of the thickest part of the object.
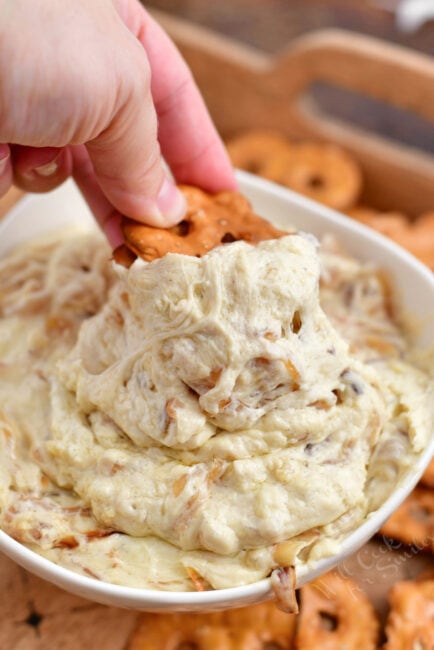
(323, 172)
(254, 150)
(413, 521)
(411, 619)
(335, 613)
(210, 221)
(259, 626)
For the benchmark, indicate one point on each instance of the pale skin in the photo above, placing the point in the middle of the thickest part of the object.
(96, 89)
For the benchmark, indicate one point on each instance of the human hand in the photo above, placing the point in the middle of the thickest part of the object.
(86, 88)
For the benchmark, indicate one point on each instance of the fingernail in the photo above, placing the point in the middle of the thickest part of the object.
(3, 163)
(167, 210)
(48, 169)
(171, 202)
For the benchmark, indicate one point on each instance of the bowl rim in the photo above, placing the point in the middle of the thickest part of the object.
(149, 599)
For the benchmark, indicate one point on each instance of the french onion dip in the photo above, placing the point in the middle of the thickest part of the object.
(194, 423)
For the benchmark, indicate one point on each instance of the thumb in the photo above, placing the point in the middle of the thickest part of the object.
(129, 167)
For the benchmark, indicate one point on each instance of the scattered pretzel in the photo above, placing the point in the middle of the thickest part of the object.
(413, 522)
(411, 619)
(254, 150)
(335, 613)
(323, 172)
(257, 627)
(427, 479)
(37, 615)
(209, 222)
(417, 236)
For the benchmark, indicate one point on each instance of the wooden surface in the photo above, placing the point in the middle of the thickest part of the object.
(270, 25)
(35, 615)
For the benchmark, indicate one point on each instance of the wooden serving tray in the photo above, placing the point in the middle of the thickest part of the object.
(245, 89)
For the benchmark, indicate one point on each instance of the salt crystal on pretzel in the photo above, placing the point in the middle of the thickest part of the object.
(210, 221)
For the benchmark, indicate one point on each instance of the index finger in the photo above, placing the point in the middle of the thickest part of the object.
(188, 138)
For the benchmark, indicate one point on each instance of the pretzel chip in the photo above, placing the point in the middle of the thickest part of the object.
(335, 613)
(410, 623)
(254, 150)
(210, 221)
(413, 522)
(324, 172)
(124, 256)
(258, 627)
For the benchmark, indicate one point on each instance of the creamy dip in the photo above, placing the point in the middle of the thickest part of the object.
(193, 422)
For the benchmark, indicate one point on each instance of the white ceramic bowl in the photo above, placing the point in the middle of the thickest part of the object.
(414, 283)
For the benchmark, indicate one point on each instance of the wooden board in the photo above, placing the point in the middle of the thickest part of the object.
(35, 615)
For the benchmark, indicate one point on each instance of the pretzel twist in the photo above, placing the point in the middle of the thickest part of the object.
(410, 623)
(254, 150)
(335, 613)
